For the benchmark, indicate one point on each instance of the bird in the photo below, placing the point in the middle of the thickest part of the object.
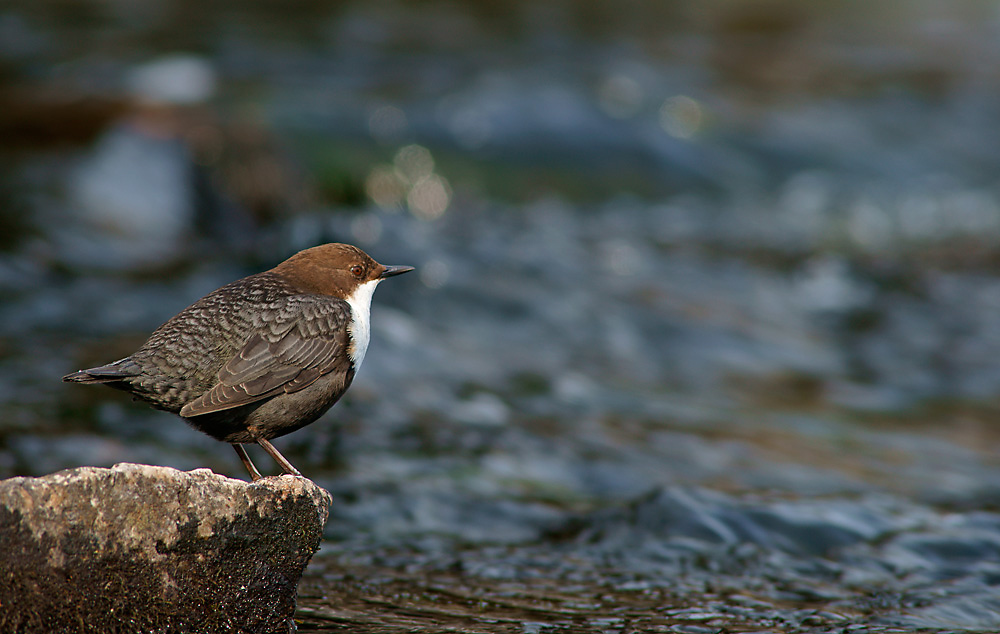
(262, 356)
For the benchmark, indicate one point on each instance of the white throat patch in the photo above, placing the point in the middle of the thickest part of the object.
(360, 329)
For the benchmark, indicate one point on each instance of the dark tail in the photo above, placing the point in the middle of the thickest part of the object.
(117, 371)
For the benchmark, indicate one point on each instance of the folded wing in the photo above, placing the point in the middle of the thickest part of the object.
(285, 357)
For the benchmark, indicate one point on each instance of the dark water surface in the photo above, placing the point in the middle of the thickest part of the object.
(704, 332)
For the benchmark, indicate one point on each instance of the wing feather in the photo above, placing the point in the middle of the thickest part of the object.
(289, 354)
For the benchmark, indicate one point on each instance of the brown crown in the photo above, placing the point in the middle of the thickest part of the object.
(333, 269)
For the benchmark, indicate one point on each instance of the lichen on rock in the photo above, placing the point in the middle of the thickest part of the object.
(137, 548)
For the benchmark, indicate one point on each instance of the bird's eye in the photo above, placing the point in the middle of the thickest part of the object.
(357, 270)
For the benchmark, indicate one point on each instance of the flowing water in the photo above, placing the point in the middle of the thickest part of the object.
(704, 332)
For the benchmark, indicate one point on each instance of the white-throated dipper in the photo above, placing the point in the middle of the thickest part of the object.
(262, 356)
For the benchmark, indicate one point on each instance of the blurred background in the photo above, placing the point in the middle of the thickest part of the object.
(693, 277)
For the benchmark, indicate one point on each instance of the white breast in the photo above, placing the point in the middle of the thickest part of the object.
(360, 328)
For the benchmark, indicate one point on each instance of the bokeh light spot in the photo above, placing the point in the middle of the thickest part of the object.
(435, 273)
(681, 116)
(385, 186)
(429, 197)
(414, 162)
(620, 96)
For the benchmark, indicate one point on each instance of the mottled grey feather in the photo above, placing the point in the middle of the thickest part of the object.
(244, 341)
(291, 363)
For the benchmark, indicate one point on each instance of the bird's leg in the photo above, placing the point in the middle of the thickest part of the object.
(269, 448)
(245, 457)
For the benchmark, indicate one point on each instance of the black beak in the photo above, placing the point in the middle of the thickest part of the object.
(395, 270)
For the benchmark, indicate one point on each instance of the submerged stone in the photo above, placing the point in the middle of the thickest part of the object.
(137, 548)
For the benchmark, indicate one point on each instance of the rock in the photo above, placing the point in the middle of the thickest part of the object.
(137, 548)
